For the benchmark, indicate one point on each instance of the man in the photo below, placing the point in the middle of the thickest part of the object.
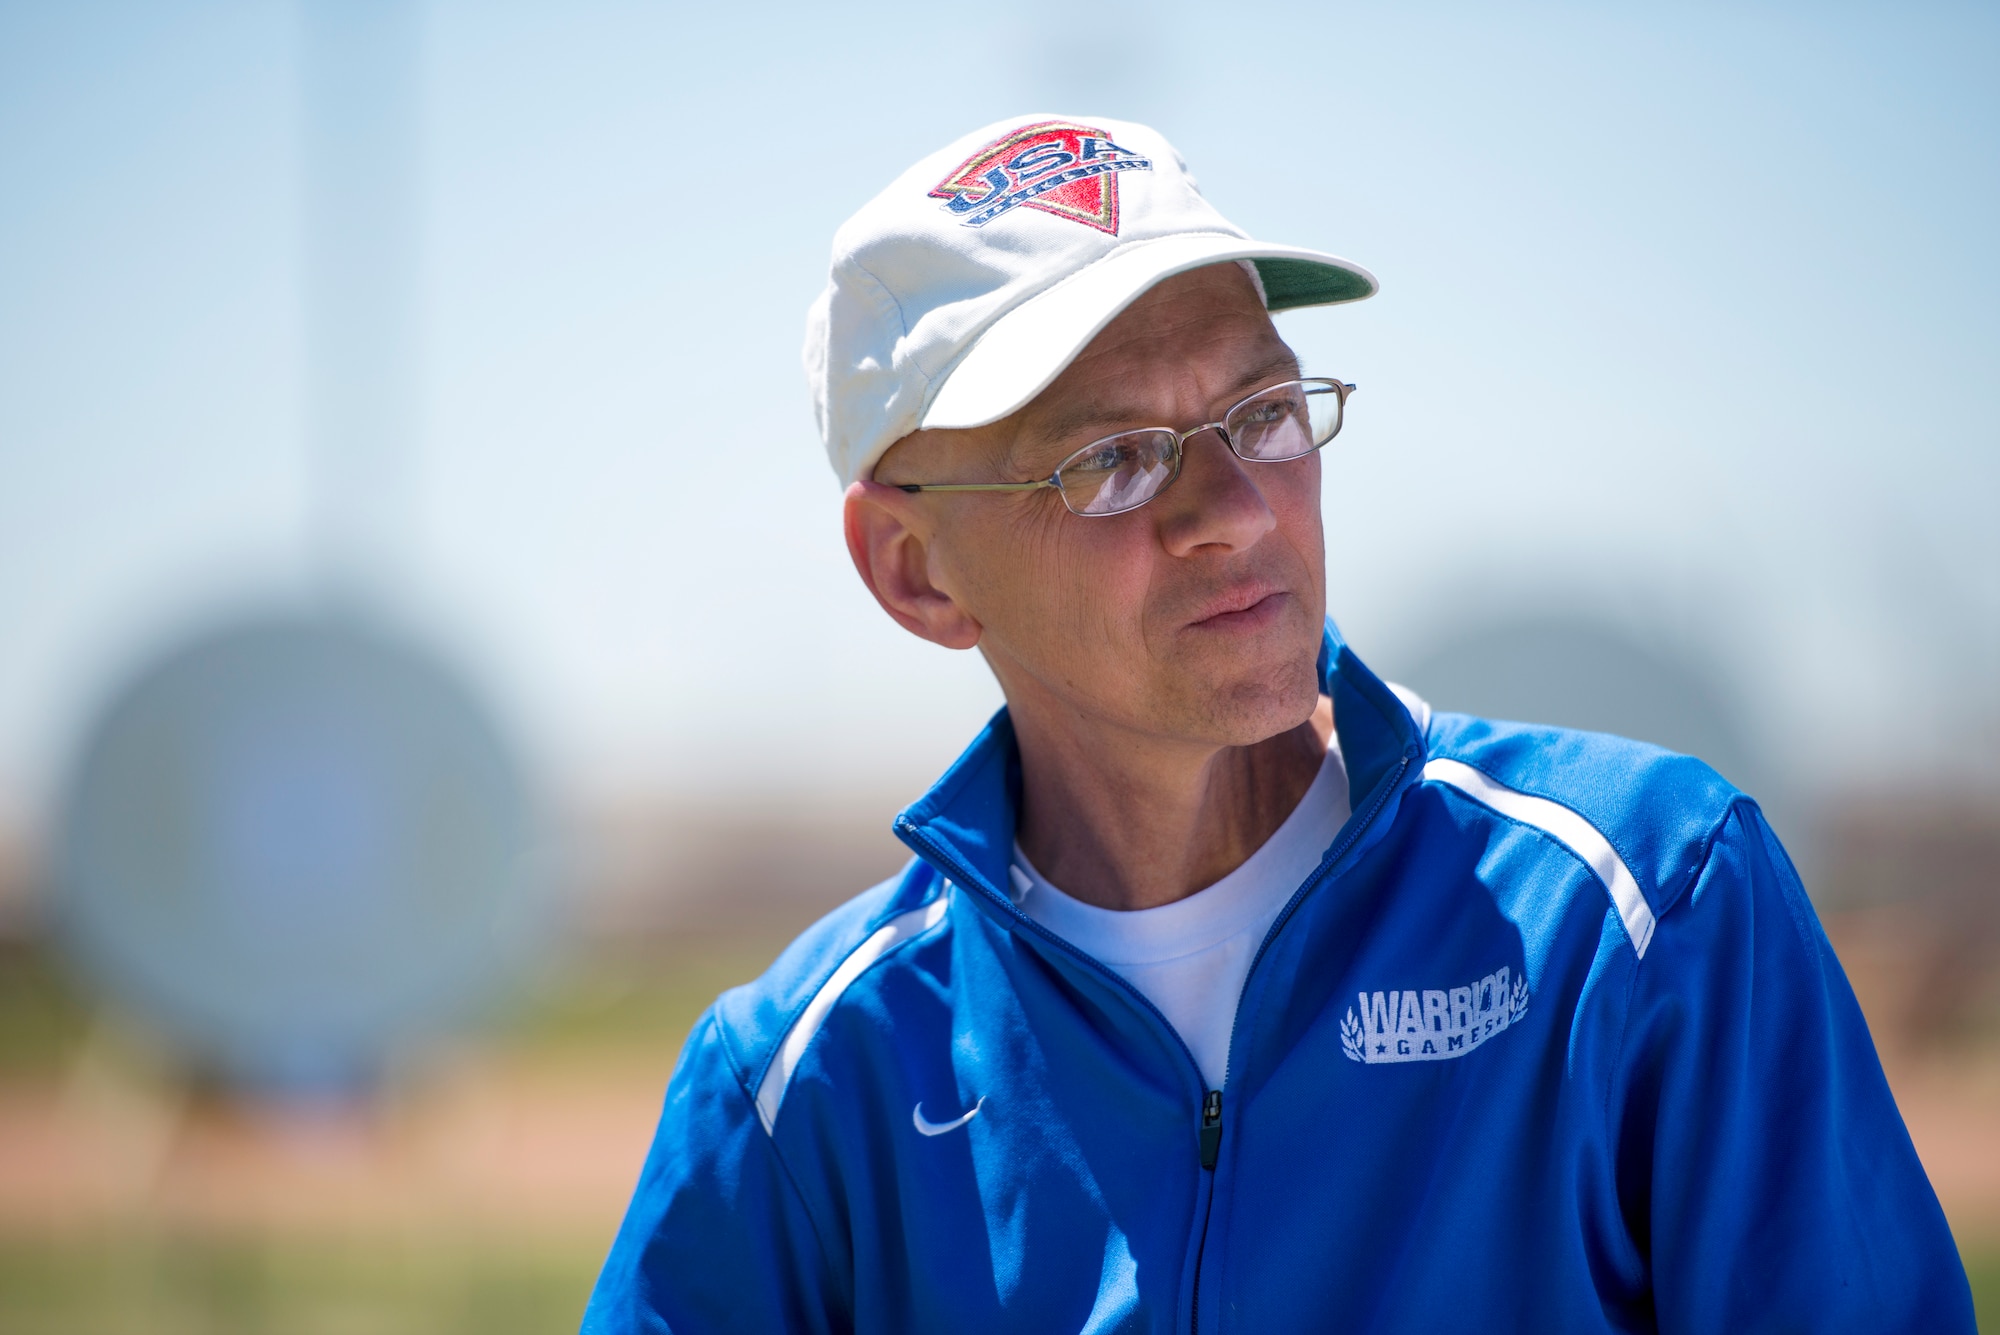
(1231, 988)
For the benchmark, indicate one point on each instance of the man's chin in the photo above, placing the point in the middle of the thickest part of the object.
(1267, 654)
(1245, 708)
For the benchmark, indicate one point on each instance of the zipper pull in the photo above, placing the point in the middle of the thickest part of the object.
(1211, 1128)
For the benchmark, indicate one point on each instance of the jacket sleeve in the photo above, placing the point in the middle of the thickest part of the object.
(716, 1237)
(1763, 1166)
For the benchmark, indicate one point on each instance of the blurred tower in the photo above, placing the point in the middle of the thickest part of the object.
(360, 71)
(294, 840)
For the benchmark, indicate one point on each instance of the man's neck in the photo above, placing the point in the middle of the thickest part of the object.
(1133, 823)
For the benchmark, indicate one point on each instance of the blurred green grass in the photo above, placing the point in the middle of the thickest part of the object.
(629, 1003)
(608, 1004)
(135, 1285)
(1982, 1267)
(143, 1277)
(43, 1016)
(139, 1284)
(150, 1280)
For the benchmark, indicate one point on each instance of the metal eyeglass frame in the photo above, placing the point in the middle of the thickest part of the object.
(1340, 388)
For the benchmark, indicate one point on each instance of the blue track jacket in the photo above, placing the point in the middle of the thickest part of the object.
(1551, 1041)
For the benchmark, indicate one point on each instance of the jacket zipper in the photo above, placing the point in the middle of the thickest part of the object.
(1210, 1140)
(1211, 1149)
(1211, 1108)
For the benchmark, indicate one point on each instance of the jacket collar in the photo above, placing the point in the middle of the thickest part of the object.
(964, 826)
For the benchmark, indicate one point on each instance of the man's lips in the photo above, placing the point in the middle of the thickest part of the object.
(1241, 609)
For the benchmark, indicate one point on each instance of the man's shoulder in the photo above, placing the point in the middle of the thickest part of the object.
(820, 966)
(1643, 817)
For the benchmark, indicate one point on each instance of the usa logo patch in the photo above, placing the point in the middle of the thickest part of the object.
(1068, 170)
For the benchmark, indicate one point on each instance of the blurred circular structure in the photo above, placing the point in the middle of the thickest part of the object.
(296, 844)
(1578, 672)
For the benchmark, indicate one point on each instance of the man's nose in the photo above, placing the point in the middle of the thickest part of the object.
(1216, 501)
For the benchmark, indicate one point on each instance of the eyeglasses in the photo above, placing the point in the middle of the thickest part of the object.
(1123, 472)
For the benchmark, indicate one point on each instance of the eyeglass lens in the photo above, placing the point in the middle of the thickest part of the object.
(1284, 422)
(1125, 471)
(1120, 472)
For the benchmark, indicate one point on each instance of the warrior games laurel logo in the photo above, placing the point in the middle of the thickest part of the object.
(1435, 1024)
(1068, 170)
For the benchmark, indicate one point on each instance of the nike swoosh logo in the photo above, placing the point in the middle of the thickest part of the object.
(930, 1128)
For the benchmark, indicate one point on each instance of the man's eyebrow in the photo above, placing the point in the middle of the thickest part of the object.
(1077, 420)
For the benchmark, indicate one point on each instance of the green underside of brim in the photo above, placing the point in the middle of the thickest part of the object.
(1293, 283)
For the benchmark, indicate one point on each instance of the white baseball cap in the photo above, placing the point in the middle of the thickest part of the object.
(961, 291)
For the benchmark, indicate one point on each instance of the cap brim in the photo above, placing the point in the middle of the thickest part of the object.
(1025, 349)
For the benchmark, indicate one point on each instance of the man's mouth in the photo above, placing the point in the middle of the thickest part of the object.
(1242, 609)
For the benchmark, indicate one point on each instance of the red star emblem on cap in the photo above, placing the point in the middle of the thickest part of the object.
(1054, 167)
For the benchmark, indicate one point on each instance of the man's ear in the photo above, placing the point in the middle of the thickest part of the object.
(892, 550)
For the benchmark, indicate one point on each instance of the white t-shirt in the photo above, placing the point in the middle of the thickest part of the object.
(1190, 957)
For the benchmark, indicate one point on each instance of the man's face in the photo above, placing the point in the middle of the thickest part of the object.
(1196, 617)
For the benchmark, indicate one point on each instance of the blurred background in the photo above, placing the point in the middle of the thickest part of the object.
(430, 670)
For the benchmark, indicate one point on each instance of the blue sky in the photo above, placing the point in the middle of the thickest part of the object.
(1689, 320)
